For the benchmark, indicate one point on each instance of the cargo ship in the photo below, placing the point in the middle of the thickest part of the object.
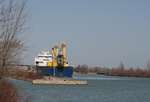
(54, 62)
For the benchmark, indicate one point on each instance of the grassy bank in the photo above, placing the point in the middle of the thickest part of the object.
(8, 92)
(21, 74)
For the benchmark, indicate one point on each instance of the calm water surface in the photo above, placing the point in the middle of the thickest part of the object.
(99, 89)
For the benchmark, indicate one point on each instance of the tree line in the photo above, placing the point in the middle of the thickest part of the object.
(118, 71)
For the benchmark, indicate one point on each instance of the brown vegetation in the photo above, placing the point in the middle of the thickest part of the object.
(8, 92)
(12, 21)
(22, 74)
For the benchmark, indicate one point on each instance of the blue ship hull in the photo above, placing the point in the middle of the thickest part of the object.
(59, 72)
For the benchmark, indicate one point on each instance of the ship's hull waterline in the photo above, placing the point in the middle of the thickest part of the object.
(58, 72)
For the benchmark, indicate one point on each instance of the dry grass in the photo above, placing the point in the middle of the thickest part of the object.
(22, 74)
(8, 92)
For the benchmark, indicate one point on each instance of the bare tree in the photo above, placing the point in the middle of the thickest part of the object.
(121, 66)
(12, 21)
(148, 65)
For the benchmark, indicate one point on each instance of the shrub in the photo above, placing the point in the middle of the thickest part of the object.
(8, 92)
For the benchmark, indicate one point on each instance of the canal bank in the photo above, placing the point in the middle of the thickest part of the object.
(99, 89)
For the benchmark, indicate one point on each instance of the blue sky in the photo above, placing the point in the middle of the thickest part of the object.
(98, 32)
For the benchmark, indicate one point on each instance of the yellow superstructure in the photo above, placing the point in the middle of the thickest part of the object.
(59, 56)
(64, 51)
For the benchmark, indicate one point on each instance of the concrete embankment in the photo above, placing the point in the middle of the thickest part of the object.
(59, 81)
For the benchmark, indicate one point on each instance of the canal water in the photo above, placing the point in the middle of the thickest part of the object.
(99, 89)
